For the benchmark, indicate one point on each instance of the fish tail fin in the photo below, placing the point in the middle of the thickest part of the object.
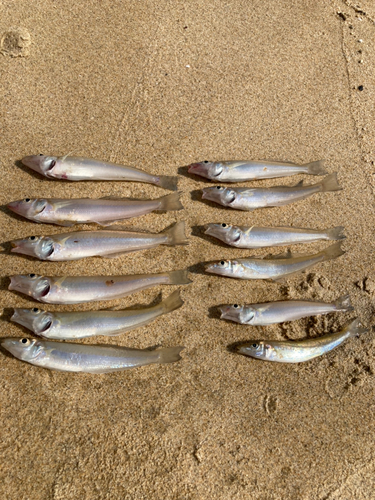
(170, 354)
(167, 182)
(330, 183)
(179, 277)
(335, 233)
(176, 234)
(172, 302)
(316, 168)
(170, 202)
(356, 328)
(343, 303)
(333, 251)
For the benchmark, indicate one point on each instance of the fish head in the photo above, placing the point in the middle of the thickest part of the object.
(255, 349)
(25, 349)
(28, 207)
(223, 268)
(35, 246)
(30, 284)
(219, 194)
(34, 319)
(40, 163)
(224, 232)
(210, 170)
(238, 313)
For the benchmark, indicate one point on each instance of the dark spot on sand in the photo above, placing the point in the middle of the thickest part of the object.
(342, 16)
(15, 42)
(360, 88)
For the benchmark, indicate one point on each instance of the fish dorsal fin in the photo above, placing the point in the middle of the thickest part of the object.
(299, 184)
(283, 255)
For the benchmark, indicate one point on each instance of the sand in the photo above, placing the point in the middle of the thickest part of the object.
(160, 85)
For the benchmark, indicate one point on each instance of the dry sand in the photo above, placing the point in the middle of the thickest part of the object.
(159, 85)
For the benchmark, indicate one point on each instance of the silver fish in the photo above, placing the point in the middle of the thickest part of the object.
(79, 289)
(78, 325)
(275, 267)
(105, 243)
(103, 211)
(251, 198)
(74, 168)
(68, 357)
(239, 171)
(296, 351)
(260, 237)
(270, 313)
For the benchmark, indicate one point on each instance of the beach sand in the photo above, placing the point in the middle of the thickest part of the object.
(159, 85)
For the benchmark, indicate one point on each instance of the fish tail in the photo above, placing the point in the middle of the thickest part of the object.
(343, 303)
(333, 251)
(170, 354)
(335, 233)
(330, 183)
(167, 182)
(172, 302)
(178, 277)
(316, 168)
(356, 328)
(170, 202)
(176, 234)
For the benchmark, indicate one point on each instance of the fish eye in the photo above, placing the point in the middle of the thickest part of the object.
(32, 275)
(236, 306)
(224, 225)
(205, 161)
(41, 154)
(222, 263)
(255, 346)
(27, 200)
(35, 310)
(25, 341)
(218, 187)
(32, 238)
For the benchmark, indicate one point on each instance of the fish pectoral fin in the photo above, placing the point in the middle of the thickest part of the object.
(283, 255)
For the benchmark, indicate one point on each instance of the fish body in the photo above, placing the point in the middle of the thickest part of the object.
(239, 171)
(80, 289)
(78, 325)
(296, 351)
(74, 168)
(260, 237)
(103, 243)
(274, 267)
(249, 199)
(68, 357)
(103, 211)
(269, 313)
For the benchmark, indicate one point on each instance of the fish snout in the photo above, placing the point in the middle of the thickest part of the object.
(34, 162)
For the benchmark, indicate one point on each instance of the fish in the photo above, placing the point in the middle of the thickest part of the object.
(108, 243)
(247, 170)
(260, 237)
(86, 358)
(76, 168)
(79, 325)
(80, 289)
(297, 351)
(270, 313)
(249, 199)
(102, 211)
(274, 267)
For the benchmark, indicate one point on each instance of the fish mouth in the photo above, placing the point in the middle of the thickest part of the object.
(205, 195)
(209, 268)
(193, 168)
(13, 205)
(223, 312)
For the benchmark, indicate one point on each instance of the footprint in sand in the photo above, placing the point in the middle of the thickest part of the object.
(15, 42)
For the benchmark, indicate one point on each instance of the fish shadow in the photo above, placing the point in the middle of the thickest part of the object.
(13, 215)
(198, 268)
(214, 312)
(7, 314)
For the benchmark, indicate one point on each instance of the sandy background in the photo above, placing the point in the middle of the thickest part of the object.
(159, 85)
